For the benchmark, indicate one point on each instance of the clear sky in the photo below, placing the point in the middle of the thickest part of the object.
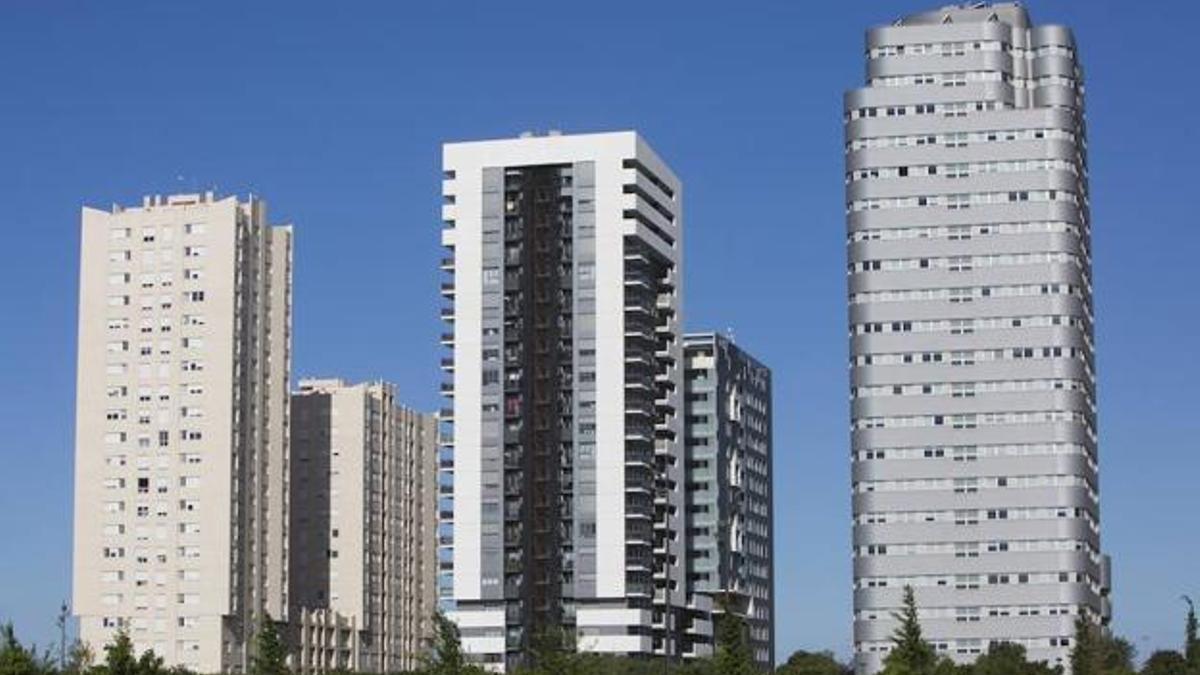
(334, 113)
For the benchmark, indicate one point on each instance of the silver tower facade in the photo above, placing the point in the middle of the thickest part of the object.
(973, 407)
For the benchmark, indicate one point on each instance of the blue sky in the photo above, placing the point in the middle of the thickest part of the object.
(334, 112)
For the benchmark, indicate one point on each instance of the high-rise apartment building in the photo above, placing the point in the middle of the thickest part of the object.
(567, 444)
(970, 312)
(182, 427)
(727, 422)
(363, 519)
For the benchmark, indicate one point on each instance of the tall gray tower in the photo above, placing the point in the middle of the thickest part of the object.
(727, 431)
(972, 375)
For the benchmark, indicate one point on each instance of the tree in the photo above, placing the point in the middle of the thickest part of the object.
(15, 659)
(1097, 653)
(270, 655)
(1007, 658)
(447, 657)
(80, 658)
(119, 658)
(732, 656)
(911, 654)
(1165, 662)
(150, 663)
(813, 663)
(1191, 644)
(553, 651)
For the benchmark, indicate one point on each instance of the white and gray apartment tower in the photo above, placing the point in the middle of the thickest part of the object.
(363, 560)
(727, 422)
(566, 389)
(180, 533)
(972, 373)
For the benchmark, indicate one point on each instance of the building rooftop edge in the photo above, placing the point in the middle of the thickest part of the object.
(177, 199)
(527, 136)
(969, 12)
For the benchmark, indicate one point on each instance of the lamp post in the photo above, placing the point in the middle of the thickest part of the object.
(63, 614)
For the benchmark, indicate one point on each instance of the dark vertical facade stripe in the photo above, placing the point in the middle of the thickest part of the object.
(537, 378)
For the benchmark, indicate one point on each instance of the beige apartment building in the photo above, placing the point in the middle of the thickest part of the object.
(182, 426)
(364, 478)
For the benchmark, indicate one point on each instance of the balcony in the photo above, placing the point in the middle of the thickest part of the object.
(638, 281)
(633, 413)
(638, 506)
(636, 325)
(639, 563)
(638, 457)
(448, 289)
(448, 364)
(448, 339)
(639, 588)
(638, 534)
(640, 357)
(640, 384)
(641, 306)
(639, 256)
(447, 263)
(447, 314)
(637, 487)
(639, 432)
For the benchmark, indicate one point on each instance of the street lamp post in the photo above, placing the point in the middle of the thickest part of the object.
(63, 615)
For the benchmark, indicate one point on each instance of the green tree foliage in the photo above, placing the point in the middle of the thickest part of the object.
(1096, 653)
(15, 659)
(1006, 658)
(150, 663)
(553, 651)
(1191, 643)
(119, 658)
(80, 658)
(270, 654)
(447, 657)
(813, 663)
(732, 655)
(1165, 662)
(910, 654)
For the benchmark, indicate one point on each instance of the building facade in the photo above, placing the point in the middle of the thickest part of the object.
(566, 448)
(973, 386)
(182, 427)
(363, 522)
(727, 422)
